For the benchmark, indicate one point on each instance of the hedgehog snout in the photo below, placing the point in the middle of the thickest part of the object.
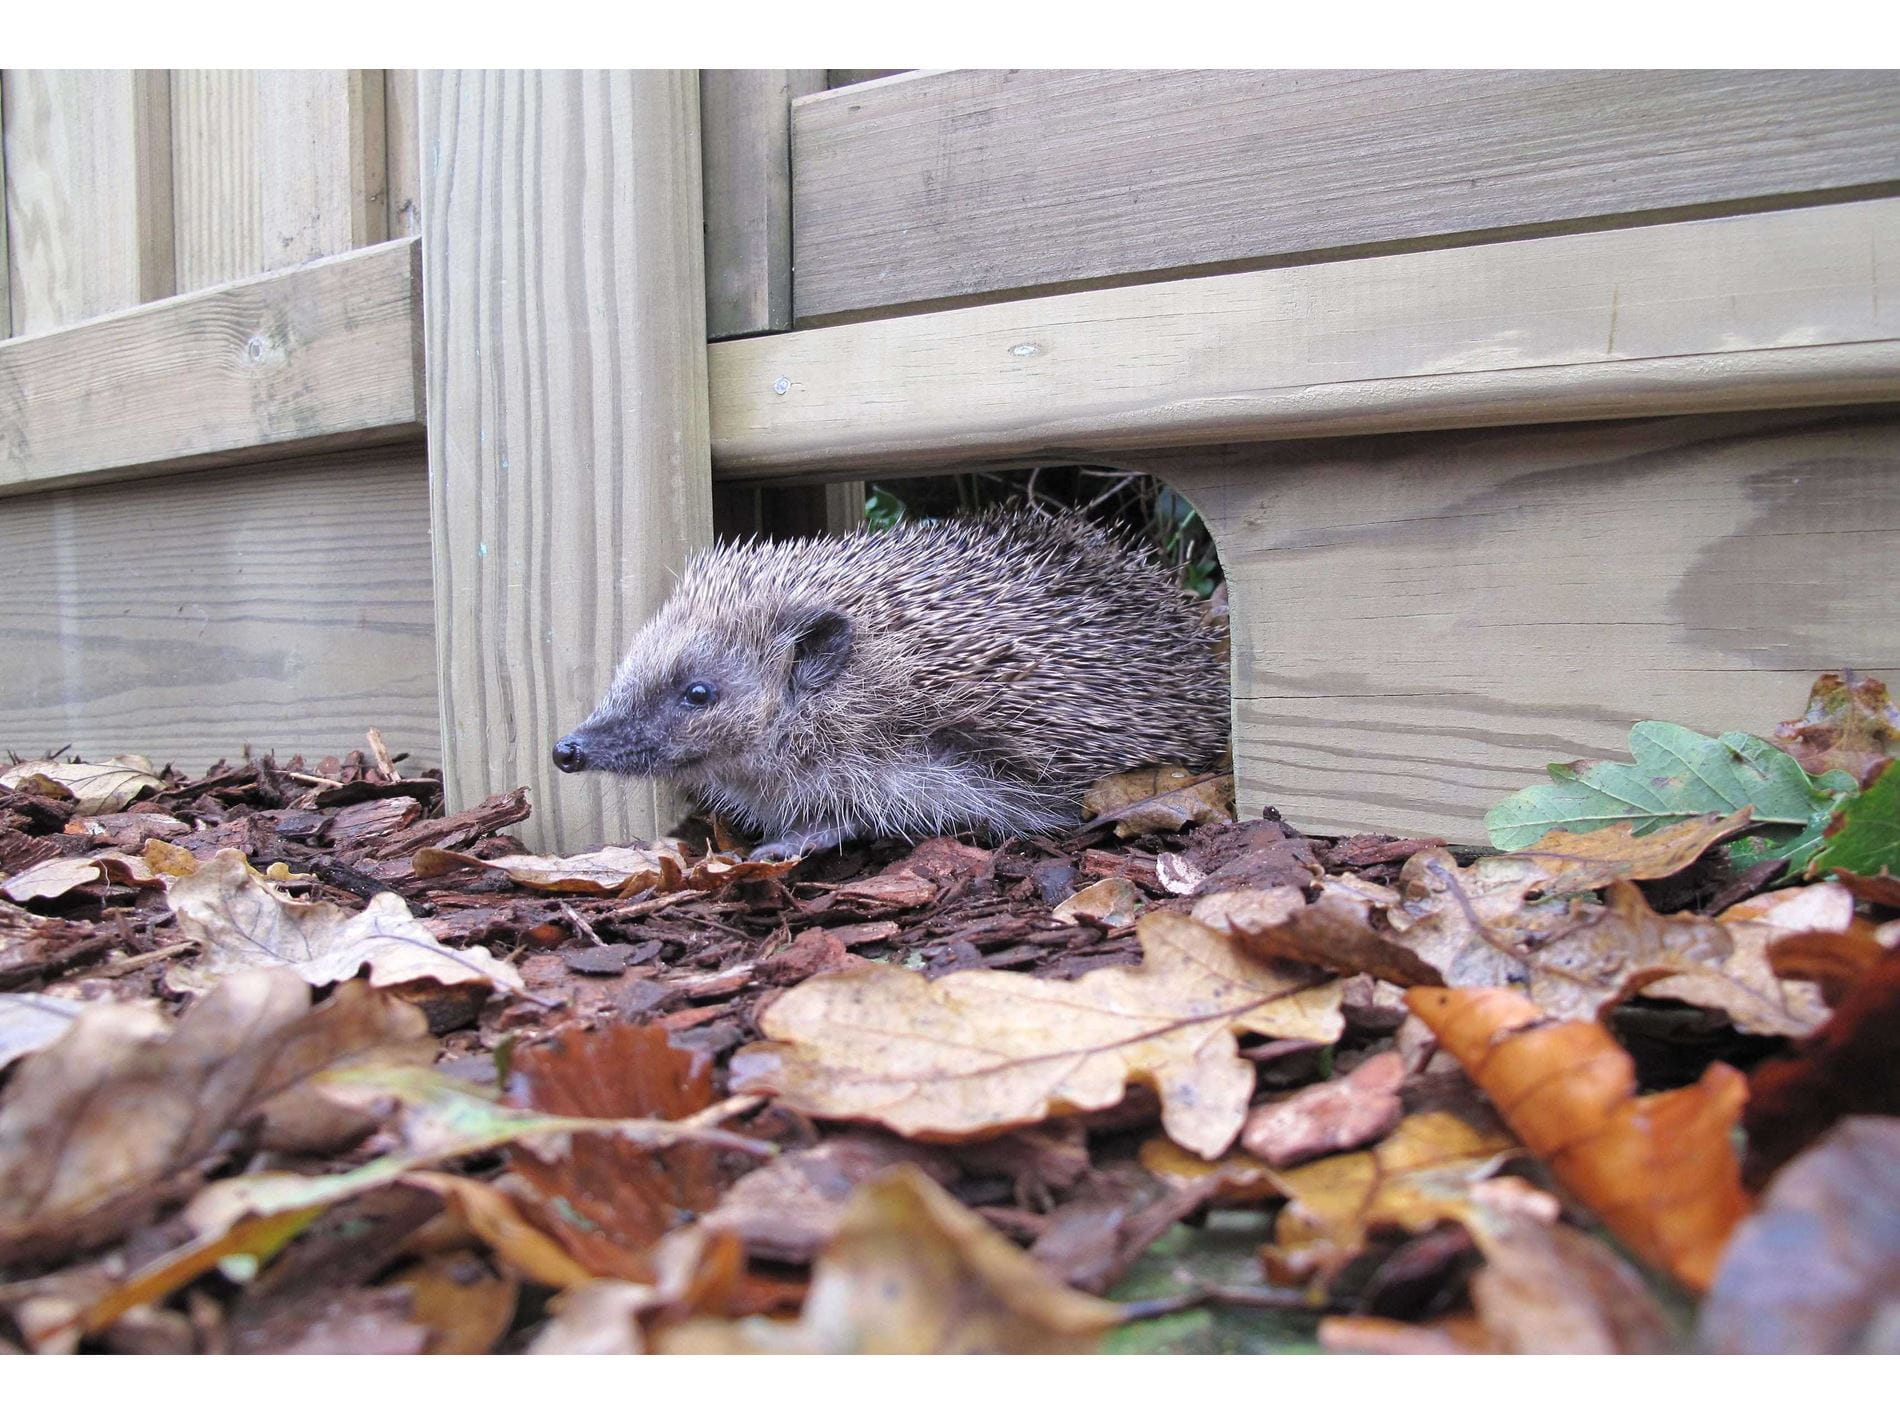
(570, 753)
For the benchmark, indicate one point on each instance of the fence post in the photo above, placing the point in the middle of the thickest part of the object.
(565, 312)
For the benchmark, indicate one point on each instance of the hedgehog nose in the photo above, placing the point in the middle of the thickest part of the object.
(569, 755)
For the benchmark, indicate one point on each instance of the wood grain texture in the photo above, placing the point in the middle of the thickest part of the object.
(88, 192)
(1757, 311)
(1421, 622)
(6, 268)
(321, 357)
(565, 301)
(948, 185)
(839, 78)
(402, 112)
(746, 124)
(275, 167)
(282, 607)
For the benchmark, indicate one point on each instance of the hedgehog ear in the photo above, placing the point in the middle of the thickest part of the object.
(821, 647)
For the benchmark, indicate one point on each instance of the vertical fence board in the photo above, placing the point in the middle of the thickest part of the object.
(746, 116)
(274, 168)
(88, 192)
(563, 272)
(401, 113)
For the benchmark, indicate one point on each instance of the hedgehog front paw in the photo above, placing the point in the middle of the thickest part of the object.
(795, 845)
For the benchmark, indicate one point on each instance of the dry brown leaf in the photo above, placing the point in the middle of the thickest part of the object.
(1569, 862)
(974, 1053)
(1113, 902)
(1417, 1177)
(52, 878)
(243, 922)
(787, 1210)
(30, 1022)
(493, 1216)
(1349, 1112)
(94, 787)
(1817, 1269)
(611, 871)
(1660, 1170)
(1611, 951)
(1850, 724)
(1160, 799)
(1847, 1067)
(1746, 986)
(607, 1200)
(696, 1270)
(1547, 1288)
(463, 1303)
(913, 1271)
(116, 1114)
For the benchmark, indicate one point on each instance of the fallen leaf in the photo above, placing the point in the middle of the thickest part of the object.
(1848, 1067)
(611, 871)
(463, 1303)
(1747, 987)
(606, 1199)
(32, 946)
(51, 879)
(243, 922)
(787, 1210)
(1660, 1171)
(115, 1114)
(1547, 1288)
(493, 1216)
(1347, 1113)
(1112, 903)
(1611, 951)
(1413, 1179)
(1160, 799)
(913, 1271)
(1584, 861)
(1866, 837)
(29, 1022)
(1850, 725)
(1678, 774)
(980, 1051)
(1817, 1269)
(696, 1270)
(94, 787)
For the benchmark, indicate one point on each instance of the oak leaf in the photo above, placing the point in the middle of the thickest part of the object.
(913, 1271)
(1160, 799)
(1850, 726)
(243, 922)
(611, 871)
(1573, 861)
(977, 1052)
(1660, 1170)
(94, 787)
(117, 1113)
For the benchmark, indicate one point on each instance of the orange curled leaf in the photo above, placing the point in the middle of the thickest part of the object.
(1660, 1170)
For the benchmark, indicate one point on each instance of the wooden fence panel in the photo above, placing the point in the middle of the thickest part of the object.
(88, 192)
(949, 186)
(563, 268)
(402, 112)
(1422, 622)
(274, 168)
(746, 116)
(1756, 311)
(282, 607)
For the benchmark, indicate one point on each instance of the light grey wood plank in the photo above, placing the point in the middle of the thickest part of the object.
(746, 118)
(283, 607)
(88, 192)
(949, 186)
(320, 357)
(566, 319)
(1749, 312)
(1422, 622)
(274, 168)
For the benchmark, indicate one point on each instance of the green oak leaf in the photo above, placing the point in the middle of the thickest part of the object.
(1866, 839)
(1680, 773)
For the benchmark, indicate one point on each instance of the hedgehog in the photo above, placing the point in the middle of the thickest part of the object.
(974, 675)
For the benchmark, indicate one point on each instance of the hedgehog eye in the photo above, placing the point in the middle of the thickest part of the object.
(700, 695)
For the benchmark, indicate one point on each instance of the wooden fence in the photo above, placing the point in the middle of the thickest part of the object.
(1521, 405)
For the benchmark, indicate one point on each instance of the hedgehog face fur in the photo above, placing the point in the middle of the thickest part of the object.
(970, 675)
